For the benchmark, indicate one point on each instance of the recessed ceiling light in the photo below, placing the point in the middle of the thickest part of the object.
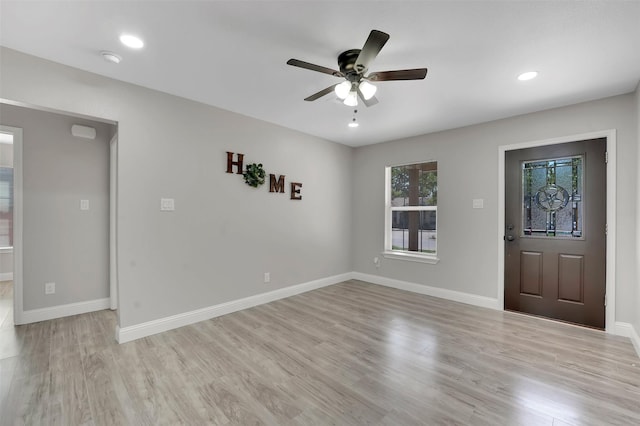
(353, 124)
(527, 75)
(131, 41)
(111, 57)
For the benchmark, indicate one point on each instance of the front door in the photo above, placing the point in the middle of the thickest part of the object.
(555, 218)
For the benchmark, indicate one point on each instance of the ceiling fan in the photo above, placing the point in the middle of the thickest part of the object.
(354, 64)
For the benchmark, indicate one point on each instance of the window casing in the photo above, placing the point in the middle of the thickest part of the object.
(411, 199)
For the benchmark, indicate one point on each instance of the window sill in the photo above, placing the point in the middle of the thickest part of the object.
(421, 258)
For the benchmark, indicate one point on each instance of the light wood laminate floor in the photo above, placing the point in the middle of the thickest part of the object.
(348, 354)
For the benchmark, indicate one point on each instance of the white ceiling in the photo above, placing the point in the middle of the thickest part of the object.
(232, 54)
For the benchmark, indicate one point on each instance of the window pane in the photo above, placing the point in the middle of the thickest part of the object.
(6, 207)
(552, 202)
(413, 231)
(5, 226)
(414, 185)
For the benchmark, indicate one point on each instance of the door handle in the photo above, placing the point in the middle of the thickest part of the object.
(510, 238)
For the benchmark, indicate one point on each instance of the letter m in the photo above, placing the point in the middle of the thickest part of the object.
(276, 186)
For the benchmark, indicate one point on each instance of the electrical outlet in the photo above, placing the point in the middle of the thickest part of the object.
(49, 288)
(267, 277)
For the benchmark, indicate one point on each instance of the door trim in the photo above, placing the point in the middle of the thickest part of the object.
(18, 311)
(113, 223)
(610, 287)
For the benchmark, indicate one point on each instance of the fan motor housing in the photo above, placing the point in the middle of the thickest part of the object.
(347, 62)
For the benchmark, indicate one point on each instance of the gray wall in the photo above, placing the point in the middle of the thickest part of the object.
(223, 235)
(61, 243)
(467, 169)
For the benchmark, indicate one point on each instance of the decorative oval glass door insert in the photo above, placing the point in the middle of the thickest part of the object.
(552, 197)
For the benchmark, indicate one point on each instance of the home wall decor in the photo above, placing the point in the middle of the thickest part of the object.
(254, 176)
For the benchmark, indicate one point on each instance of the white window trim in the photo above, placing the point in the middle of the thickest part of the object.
(403, 255)
(414, 208)
(398, 254)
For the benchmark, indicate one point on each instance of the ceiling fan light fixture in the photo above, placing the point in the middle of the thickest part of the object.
(353, 65)
(367, 89)
(342, 90)
(351, 99)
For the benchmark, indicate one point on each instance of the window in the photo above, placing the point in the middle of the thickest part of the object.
(552, 203)
(6, 191)
(411, 211)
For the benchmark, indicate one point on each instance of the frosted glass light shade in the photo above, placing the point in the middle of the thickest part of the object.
(342, 89)
(351, 99)
(367, 89)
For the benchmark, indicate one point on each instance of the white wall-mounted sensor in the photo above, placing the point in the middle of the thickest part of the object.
(83, 131)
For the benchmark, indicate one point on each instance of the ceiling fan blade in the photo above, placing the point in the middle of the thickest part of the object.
(321, 93)
(414, 74)
(313, 67)
(370, 102)
(370, 50)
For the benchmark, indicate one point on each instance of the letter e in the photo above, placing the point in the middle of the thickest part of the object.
(295, 191)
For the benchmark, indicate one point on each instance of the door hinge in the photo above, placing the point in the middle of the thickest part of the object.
(606, 157)
(606, 229)
(605, 300)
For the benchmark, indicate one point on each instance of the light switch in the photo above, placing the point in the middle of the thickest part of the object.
(167, 204)
(478, 203)
(84, 204)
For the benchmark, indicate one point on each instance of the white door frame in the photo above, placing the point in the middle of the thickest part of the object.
(17, 221)
(610, 135)
(113, 223)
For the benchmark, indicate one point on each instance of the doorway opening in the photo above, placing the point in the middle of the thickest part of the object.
(546, 252)
(69, 213)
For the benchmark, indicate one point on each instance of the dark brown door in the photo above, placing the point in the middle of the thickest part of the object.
(555, 236)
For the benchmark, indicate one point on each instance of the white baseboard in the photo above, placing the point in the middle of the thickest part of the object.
(6, 276)
(44, 314)
(627, 330)
(134, 332)
(127, 334)
(443, 293)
